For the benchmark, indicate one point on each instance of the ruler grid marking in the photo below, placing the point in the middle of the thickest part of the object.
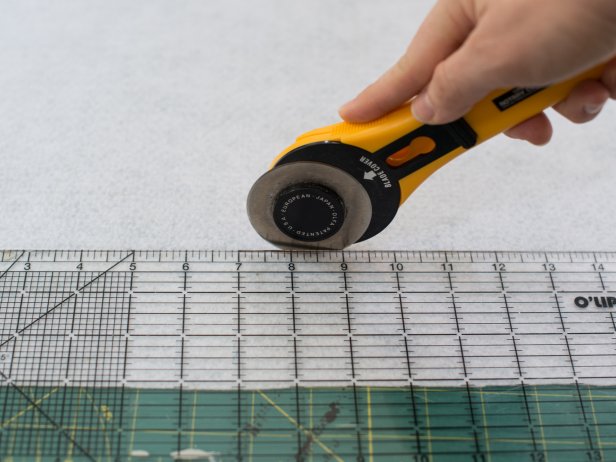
(573, 369)
(411, 385)
(182, 346)
(121, 428)
(65, 388)
(298, 418)
(531, 428)
(86, 346)
(471, 410)
(358, 427)
(239, 368)
(99, 300)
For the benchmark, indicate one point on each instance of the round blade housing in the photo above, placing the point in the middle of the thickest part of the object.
(309, 205)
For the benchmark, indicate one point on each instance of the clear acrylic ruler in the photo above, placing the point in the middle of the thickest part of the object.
(257, 355)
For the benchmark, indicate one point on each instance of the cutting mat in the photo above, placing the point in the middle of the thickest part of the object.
(311, 356)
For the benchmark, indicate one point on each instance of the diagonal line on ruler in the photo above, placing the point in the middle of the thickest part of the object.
(299, 426)
(12, 264)
(12, 337)
(36, 405)
(10, 420)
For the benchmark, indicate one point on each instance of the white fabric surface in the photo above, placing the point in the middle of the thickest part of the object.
(143, 124)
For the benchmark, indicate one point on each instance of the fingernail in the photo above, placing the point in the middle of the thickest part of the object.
(514, 135)
(593, 109)
(341, 108)
(422, 108)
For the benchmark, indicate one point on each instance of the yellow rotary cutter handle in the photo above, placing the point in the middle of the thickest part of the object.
(343, 183)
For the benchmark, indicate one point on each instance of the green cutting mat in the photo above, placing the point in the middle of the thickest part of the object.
(535, 424)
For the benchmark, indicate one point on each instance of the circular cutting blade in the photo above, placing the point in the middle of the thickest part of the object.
(309, 205)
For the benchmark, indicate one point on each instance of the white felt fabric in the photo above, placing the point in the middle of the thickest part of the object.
(143, 124)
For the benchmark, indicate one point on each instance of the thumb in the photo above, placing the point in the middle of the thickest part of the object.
(507, 47)
(444, 29)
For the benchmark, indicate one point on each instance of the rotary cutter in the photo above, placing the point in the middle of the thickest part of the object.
(343, 183)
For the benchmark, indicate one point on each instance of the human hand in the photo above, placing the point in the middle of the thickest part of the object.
(467, 48)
